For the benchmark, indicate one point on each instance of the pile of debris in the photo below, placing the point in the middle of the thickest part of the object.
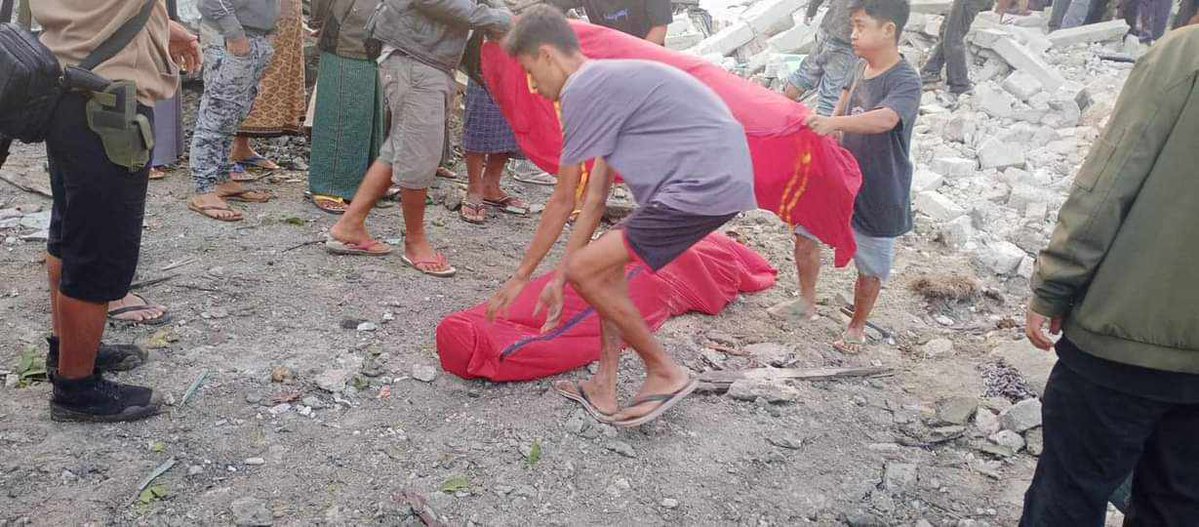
(994, 166)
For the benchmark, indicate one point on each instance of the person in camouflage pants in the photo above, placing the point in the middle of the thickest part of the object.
(230, 87)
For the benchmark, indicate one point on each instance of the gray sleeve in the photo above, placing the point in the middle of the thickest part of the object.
(223, 15)
(591, 123)
(465, 13)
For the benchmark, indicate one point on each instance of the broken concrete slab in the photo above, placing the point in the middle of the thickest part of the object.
(994, 153)
(994, 102)
(1001, 257)
(954, 167)
(957, 233)
(938, 206)
(726, 41)
(1022, 58)
(925, 180)
(1101, 32)
(1033, 364)
(681, 41)
(931, 7)
(1022, 84)
(799, 39)
(960, 127)
(769, 17)
(1022, 416)
(987, 37)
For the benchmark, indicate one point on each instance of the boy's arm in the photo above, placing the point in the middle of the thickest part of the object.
(557, 211)
(898, 108)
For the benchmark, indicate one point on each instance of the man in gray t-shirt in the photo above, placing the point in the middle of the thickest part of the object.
(687, 162)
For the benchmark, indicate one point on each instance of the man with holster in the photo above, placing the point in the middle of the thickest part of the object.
(119, 58)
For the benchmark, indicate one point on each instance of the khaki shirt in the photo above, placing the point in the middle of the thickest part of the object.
(73, 28)
(343, 26)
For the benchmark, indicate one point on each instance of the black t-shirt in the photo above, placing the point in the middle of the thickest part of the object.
(634, 17)
(1158, 385)
(884, 205)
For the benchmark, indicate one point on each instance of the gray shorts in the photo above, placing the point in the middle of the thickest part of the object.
(416, 96)
(874, 256)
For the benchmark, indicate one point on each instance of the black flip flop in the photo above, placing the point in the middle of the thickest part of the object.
(580, 396)
(166, 317)
(668, 400)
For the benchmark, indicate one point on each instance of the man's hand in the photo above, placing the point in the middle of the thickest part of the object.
(551, 300)
(238, 46)
(184, 48)
(505, 296)
(1034, 328)
(822, 125)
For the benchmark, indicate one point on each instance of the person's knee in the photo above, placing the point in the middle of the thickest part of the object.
(806, 247)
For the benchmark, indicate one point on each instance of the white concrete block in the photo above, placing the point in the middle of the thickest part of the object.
(961, 127)
(1033, 39)
(769, 17)
(986, 38)
(954, 167)
(924, 180)
(938, 207)
(1024, 196)
(1002, 257)
(1027, 267)
(1021, 58)
(681, 41)
(1101, 32)
(726, 40)
(931, 7)
(994, 153)
(957, 233)
(798, 39)
(994, 102)
(1022, 84)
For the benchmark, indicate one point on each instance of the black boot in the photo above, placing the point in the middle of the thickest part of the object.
(112, 357)
(98, 400)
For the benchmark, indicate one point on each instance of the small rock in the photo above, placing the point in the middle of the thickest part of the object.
(723, 339)
(281, 374)
(956, 410)
(253, 398)
(12, 380)
(254, 461)
(453, 200)
(333, 381)
(899, 476)
(670, 503)
(280, 408)
(251, 512)
(770, 353)
(923, 523)
(944, 320)
(37, 221)
(1034, 441)
(1022, 416)
(995, 450)
(313, 401)
(1009, 439)
(368, 326)
(789, 443)
(195, 470)
(577, 422)
(424, 373)
(863, 519)
(36, 236)
(987, 422)
(772, 391)
(937, 348)
(622, 448)
(525, 491)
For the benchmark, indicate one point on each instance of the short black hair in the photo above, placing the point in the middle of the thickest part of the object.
(540, 25)
(896, 11)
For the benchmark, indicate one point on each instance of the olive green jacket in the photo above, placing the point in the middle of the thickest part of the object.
(1123, 264)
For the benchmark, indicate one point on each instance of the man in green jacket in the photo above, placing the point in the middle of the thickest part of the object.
(1121, 278)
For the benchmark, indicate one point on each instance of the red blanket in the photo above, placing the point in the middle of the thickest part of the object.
(804, 178)
(704, 279)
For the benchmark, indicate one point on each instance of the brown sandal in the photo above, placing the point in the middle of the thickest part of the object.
(207, 210)
(330, 204)
(475, 213)
(247, 196)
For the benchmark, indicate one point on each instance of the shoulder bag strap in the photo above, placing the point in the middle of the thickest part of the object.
(859, 72)
(124, 35)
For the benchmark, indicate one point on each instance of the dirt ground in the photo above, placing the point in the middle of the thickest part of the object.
(252, 297)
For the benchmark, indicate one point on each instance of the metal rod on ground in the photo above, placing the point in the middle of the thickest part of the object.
(162, 469)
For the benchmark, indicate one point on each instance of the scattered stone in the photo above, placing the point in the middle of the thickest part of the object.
(995, 450)
(525, 491)
(313, 401)
(787, 442)
(333, 381)
(1022, 84)
(251, 512)
(986, 422)
(281, 374)
(935, 348)
(1022, 416)
(954, 167)
(956, 410)
(195, 470)
(38, 221)
(424, 373)
(943, 434)
(770, 353)
(255, 461)
(899, 477)
(926, 180)
(670, 503)
(1002, 257)
(1033, 364)
(1009, 439)
(994, 102)
(938, 206)
(772, 391)
(1022, 58)
(768, 17)
(1027, 267)
(622, 448)
(12, 380)
(944, 320)
(453, 199)
(1035, 441)
(994, 153)
(1101, 32)
(577, 422)
(368, 326)
(961, 127)
(958, 232)
(280, 408)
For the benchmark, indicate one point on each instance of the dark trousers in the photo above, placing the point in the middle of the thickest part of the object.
(1057, 13)
(1095, 436)
(950, 52)
(1154, 13)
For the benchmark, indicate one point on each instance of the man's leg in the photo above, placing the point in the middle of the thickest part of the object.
(957, 71)
(807, 265)
(601, 388)
(351, 227)
(1165, 489)
(1058, 13)
(1093, 439)
(589, 272)
(874, 258)
(807, 76)
(1161, 17)
(838, 66)
(931, 72)
(421, 143)
(493, 174)
(865, 295)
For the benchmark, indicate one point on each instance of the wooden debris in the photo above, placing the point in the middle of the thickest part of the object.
(719, 381)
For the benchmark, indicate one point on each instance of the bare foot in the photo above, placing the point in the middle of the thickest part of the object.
(348, 232)
(602, 395)
(143, 311)
(672, 381)
(212, 206)
(424, 257)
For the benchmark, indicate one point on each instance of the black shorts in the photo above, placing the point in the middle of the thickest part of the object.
(657, 234)
(96, 221)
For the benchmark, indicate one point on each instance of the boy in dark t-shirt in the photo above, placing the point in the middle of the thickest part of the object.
(686, 161)
(874, 118)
